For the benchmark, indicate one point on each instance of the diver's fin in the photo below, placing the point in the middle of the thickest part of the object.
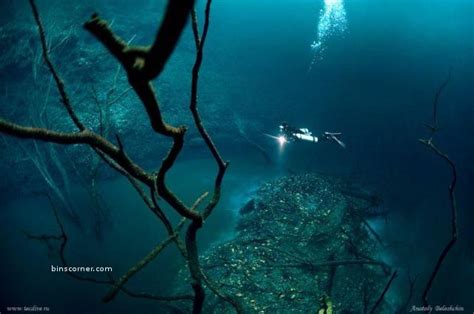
(339, 142)
(332, 135)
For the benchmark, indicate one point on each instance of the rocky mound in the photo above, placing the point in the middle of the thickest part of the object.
(302, 245)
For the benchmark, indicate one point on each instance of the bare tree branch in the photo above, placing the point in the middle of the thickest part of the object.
(411, 288)
(195, 27)
(57, 79)
(212, 286)
(454, 228)
(434, 126)
(452, 198)
(63, 238)
(82, 137)
(381, 297)
(132, 59)
(191, 245)
(142, 64)
(142, 263)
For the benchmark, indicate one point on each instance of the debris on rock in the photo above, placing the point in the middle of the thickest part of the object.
(302, 243)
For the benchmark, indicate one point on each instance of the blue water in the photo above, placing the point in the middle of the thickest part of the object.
(367, 68)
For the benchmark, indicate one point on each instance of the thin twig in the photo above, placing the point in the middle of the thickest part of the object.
(193, 262)
(434, 127)
(82, 137)
(454, 227)
(64, 240)
(59, 82)
(233, 302)
(411, 288)
(142, 263)
(381, 297)
(194, 24)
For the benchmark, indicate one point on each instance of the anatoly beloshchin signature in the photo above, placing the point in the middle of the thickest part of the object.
(437, 308)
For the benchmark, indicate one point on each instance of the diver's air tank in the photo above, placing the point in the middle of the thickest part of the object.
(306, 137)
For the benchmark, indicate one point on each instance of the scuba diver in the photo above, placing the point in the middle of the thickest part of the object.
(292, 134)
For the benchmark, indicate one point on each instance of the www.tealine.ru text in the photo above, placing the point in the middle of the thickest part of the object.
(32, 308)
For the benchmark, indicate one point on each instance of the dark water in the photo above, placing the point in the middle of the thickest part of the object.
(374, 79)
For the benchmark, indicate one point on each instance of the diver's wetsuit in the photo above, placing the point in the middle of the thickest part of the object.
(293, 134)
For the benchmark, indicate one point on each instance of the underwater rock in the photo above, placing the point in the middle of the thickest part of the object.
(300, 245)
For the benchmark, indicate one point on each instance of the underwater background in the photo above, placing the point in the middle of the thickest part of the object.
(367, 68)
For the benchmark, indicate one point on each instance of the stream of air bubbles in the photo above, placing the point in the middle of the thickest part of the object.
(332, 22)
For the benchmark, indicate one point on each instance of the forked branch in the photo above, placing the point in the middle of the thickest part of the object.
(142, 263)
(454, 227)
(116, 285)
(452, 199)
(82, 137)
(143, 64)
(195, 269)
(59, 82)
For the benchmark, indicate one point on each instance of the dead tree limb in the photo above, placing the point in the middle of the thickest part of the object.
(82, 137)
(59, 82)
(381, 297)
(142, 64)
(411, 289)
(434, 126)
(63, 238)
(452, 198)
(216, 290)
(173, 236)
(191, 242)
(141, 264)
(195, 28)
(454, 228)
(151, 203)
